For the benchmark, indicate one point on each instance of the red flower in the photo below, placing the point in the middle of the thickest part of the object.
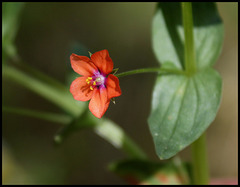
(96, 82)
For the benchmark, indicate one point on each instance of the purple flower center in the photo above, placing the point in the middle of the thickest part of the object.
(97, 80)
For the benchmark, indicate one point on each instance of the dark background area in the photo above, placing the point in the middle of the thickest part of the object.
(48, 34)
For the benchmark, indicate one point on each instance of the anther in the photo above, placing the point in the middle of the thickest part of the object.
(88, 80)
(91, 88)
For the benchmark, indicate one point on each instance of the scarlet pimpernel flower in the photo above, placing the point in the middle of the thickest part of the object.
(96, 84)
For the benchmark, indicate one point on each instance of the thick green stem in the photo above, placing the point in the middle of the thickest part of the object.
(150, 70)
(199, 160)
(199, 155)
(190, 61)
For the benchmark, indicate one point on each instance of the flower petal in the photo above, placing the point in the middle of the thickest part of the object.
(80, 89)
(103, 61)
(82, 65)
(99, 102)
(113, 88)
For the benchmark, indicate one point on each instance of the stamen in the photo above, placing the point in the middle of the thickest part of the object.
(95, 80)
(88, 80)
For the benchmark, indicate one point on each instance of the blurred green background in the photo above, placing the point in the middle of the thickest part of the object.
(48, 34)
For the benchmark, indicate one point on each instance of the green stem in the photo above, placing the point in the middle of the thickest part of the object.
(190, 61)
(200, 164)
(149, 70)
(199, 161)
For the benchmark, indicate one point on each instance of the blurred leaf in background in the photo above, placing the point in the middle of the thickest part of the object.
(10, 23)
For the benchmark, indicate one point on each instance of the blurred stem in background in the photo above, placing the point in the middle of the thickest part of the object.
(60, 96)
(53, 117)
(199, 156)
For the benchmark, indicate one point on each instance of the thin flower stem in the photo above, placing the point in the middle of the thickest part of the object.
(149, 70)
(189, 50)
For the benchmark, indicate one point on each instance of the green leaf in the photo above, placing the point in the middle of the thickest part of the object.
(182, 109)
(10, 24)
(148, 172)
(168, 34)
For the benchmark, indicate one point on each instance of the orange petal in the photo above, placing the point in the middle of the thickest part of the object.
(80, 89)
(99, 102)
(82, 65)
(103, 61)
(113, 87)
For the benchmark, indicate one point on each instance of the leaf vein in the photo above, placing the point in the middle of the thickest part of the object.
(179, 111)
(170, 103)
(197, 105)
